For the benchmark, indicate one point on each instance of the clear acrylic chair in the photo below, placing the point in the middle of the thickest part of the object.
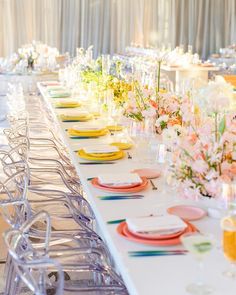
(72, 212)
(83, 272)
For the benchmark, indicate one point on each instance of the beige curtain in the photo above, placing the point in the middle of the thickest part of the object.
(111, 25)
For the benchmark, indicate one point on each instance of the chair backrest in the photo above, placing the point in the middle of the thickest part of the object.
(13, 199)
(16, 154)
(31, 265)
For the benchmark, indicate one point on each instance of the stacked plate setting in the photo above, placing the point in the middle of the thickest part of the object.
(101, 153)
(155, 230)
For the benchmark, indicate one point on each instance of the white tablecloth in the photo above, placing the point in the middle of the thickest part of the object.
(28, 81)
(147, 275)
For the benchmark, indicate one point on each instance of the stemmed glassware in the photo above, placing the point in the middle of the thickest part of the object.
(199, 245)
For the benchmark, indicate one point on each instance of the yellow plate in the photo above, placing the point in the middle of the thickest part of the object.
(114, 127)
(67, 105)
(122, 145)
(101, 155)
(87, 133)
(75, 118)
(116, 156)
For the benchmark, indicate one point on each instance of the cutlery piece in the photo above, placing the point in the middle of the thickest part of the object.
(157, 254)
(81, 137)
(157, 251)
(153, 185)
(129, 156)
(116, 221)
(90, 178)
(70, 121)
(96, 163)
(107, 198)
(122, 196)
(119, 198)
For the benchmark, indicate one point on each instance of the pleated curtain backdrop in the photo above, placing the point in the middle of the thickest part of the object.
(111, 25)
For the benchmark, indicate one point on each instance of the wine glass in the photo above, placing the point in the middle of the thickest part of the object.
(199, 245)
(228, 225)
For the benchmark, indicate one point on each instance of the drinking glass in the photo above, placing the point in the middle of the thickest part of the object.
(106, 63)
(199, 245)
(228, 225)
(228, 194)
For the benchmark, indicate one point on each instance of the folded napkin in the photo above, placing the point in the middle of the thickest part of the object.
(67, 103)
(58, 93)
(100, 149)
(155, 223)
(88, 127)
(75, 113)
(119, 178)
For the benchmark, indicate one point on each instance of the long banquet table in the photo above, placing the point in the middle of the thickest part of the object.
(167, 275)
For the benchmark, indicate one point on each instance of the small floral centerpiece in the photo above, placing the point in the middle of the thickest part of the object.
(165, 112)
(29, 54)
(32, 56)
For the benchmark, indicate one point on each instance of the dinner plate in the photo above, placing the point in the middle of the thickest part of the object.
(114, 127)
(65, 105)
(123, 231)
(87, 133)
(117, 186)
(122, 145)
(158, 236)
(187, 212)
(131, 190)
(99, 157)
(148, 173)
(68, 118)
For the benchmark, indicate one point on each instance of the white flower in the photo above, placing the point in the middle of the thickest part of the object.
(150, 112)
(170, 135)
(217, 96)
(163, 118)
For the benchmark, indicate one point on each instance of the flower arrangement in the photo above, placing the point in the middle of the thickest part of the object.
(93, 74)
(165, 112)
(141, 103)
(203, 160)
(31, 55)
(215, 96)
(168, 111)
(120, 89)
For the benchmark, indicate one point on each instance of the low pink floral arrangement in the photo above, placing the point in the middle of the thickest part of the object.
(164, 109)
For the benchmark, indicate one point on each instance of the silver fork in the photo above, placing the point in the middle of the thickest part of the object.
(129, 156)
(153, 185)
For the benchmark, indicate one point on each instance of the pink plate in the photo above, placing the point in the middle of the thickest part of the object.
(148, 173)
(133, 189)
(120, 186)
(123, 230)
(187, 212)
(157, 236)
